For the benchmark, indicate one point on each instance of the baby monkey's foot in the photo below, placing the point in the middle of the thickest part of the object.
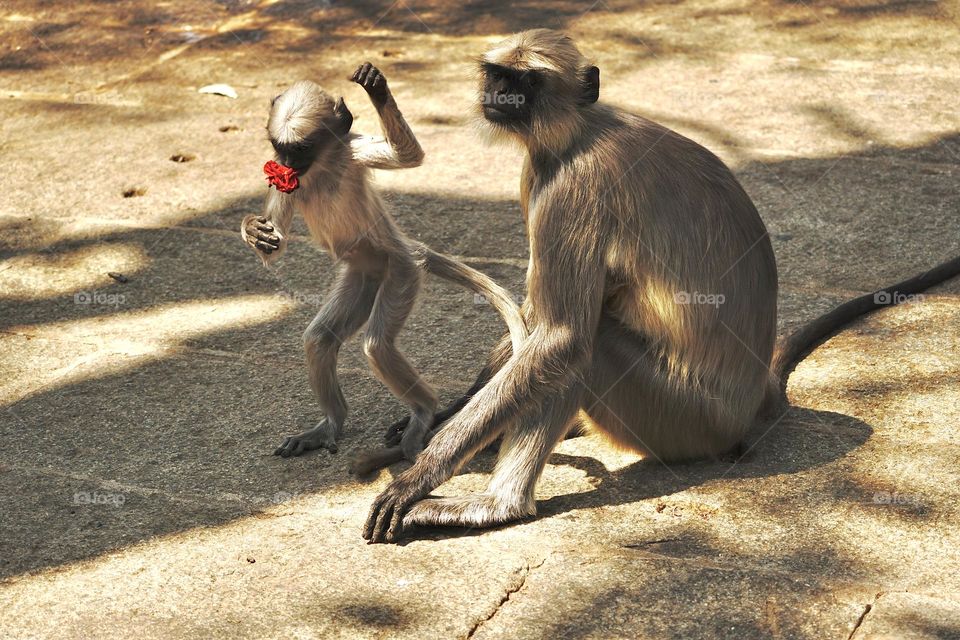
(322, 436)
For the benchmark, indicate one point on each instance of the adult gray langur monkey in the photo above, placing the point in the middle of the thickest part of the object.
(322, 171)
(635, 233)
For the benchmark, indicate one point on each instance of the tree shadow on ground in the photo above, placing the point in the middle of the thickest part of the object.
(184, 435)
(112, 32)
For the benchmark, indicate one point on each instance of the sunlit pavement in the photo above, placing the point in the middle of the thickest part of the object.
(138, 496)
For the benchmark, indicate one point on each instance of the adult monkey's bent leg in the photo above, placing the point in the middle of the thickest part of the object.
(523, 455)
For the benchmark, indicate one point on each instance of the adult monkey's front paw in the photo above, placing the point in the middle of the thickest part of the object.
(372, 81)
(385, 522)
(474, 511)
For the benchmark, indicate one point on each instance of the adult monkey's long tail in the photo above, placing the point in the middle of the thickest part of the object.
(499, 298)
(791, 349)
(479, 283)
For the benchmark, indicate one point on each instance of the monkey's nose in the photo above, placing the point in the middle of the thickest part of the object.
(299, 167)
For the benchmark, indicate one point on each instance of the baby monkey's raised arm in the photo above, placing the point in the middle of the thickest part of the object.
(398, 148)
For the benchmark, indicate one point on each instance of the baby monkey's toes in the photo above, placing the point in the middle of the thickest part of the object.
(322, 436)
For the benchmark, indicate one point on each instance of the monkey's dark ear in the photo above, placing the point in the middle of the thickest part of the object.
(591, 85)
(344, 117)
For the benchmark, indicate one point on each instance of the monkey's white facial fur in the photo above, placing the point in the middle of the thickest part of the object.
(304, 121)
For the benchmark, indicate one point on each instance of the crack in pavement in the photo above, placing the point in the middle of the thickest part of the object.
(515, 586)
(863, 616)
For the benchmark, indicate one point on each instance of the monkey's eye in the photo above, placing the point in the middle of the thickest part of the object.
(496, 76)
(531, 80)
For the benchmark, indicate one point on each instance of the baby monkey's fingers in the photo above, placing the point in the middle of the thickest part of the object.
(269, 239)
(360, 75)
(253, 224)
(372, 81)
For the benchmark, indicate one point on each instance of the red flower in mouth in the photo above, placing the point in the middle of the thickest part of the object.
(282, 177)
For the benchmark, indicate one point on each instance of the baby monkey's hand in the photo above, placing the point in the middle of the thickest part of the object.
(373, 82)
(261, 234)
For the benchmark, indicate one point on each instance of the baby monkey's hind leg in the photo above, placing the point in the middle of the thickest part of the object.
(395, 300)
(346, 310)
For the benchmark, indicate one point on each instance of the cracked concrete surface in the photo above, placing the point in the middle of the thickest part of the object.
(519, 582)
(137, 493)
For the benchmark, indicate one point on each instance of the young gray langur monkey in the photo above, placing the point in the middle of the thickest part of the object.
(627, 222)
(322, 171)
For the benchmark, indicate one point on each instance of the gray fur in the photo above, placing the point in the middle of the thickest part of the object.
(623, 217)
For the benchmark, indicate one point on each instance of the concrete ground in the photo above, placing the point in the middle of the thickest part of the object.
(138, 496)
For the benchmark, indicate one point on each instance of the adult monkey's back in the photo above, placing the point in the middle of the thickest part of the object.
(652, 292)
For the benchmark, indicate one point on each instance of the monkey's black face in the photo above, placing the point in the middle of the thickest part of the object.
(509, 95)
(298, 156)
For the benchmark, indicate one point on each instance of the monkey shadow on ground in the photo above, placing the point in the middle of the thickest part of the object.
(801, 440)
(185, 433)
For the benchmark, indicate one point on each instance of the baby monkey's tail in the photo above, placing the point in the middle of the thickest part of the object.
(479, 283)
(455, 271)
